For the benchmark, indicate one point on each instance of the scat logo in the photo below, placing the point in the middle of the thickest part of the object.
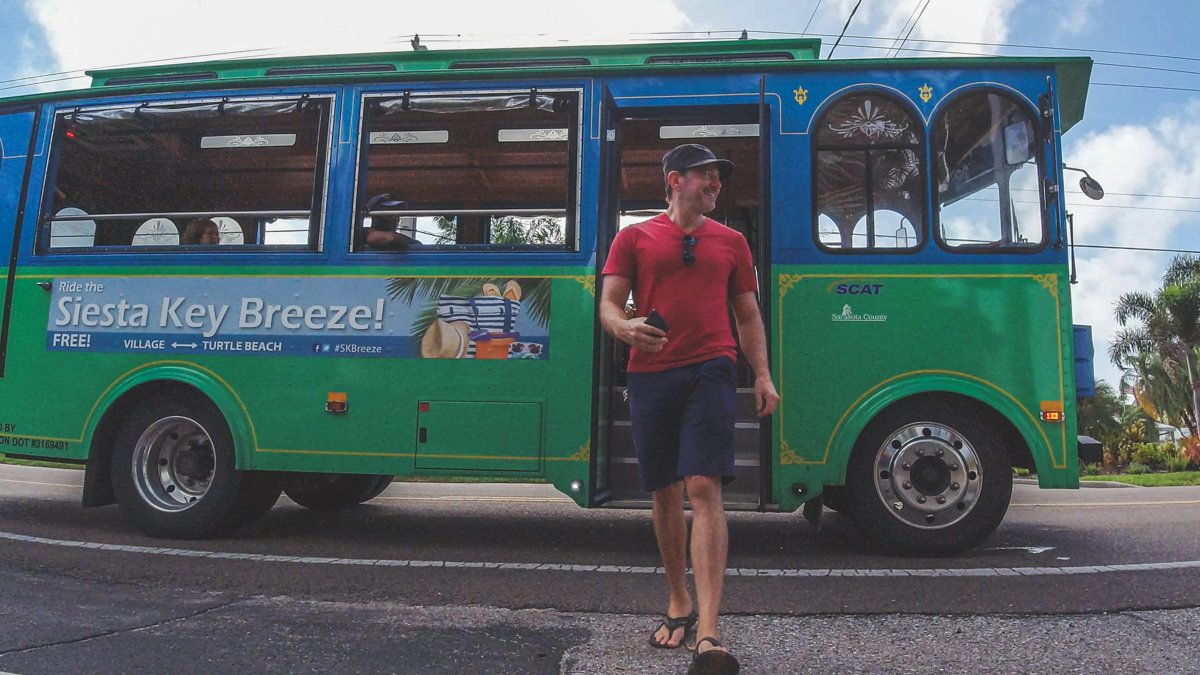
(857, 289)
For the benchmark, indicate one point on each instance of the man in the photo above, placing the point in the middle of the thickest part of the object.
(383, 234)
(688, 269)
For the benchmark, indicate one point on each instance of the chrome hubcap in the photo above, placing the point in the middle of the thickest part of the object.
(173, 464)
(928, 475)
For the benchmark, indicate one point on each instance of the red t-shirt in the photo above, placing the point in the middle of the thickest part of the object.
(693, 300)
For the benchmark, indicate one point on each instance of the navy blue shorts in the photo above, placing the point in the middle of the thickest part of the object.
(683, 422)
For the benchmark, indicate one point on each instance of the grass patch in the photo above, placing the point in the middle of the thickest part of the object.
(5, 459)
(1176, 478)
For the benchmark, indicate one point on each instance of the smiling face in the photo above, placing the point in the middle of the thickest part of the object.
(696, 190)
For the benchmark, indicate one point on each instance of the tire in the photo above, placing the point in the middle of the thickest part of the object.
(834, 498)
(174, 472)
(928, 478)
(330, 492)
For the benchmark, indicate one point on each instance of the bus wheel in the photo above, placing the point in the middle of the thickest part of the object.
(329, 492)
(834, 497)
(174, 472)
(928, 480)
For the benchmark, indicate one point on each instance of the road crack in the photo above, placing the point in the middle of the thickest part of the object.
(109, 633)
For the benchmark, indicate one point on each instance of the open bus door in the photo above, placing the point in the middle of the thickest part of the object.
(16, 147)
(607, 225)
(634, 141)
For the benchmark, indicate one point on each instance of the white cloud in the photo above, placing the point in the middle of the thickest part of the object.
(1075, 16)
(1153, 159)
(88, 34)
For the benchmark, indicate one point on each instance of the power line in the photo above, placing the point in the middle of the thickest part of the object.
(1075, 205)
(810, 16)
(1010, 45)
(268, 52)
(910, 18)
(1112, 194)
(912, 28)
(839, 39)
(1135, 248)
(1141, 86)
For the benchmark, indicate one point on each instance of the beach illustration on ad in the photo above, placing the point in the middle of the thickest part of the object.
(399, 317)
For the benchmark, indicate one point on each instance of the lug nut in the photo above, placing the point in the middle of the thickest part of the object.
(941, 453)
(906, 466)
(920, 500)
(897, 505)
(907, 486)
(954, 467)
(920, 452)
(954, 486)
(941, 499)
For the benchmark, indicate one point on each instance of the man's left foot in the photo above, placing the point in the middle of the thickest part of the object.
(712, 658)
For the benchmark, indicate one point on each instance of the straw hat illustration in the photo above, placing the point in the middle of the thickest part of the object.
(445, 340)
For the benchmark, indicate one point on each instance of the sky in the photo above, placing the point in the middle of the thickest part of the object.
(1143, 107)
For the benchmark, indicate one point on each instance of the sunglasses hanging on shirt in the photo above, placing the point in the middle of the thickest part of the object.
(689, 248)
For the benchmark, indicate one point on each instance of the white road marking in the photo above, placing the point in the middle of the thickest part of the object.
(1028, 549)
(36, 482)
(611, 569)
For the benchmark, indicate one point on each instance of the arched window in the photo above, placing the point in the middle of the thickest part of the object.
(987, 168)
(869, 185)
(72, 233)
(231, 232)
(156, 232)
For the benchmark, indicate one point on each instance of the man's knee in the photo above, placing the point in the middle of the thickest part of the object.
(703, 491)
(670, 493)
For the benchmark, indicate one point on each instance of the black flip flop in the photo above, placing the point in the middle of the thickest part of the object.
(713, 661)
(672, 624)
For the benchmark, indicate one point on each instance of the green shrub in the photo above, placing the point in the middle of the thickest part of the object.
(1136, 468)
(1153, 455)
(1020, 472)
(1093, 470)
(1178, 463)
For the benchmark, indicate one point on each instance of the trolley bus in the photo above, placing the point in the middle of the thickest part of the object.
(905, 216)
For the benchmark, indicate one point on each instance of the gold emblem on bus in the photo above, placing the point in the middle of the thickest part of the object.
(926, 92)
(801, 95)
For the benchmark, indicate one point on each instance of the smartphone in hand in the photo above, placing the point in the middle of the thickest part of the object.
(655, 319)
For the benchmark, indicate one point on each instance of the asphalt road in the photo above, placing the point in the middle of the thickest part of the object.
(516, 579)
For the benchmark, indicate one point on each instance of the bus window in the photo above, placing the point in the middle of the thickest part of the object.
(987, 172)
(156, 232)
(142, 172)
(868, 175)
(72, 233)
(493, 171)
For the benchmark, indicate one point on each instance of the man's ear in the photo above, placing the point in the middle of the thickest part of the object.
(674, 178)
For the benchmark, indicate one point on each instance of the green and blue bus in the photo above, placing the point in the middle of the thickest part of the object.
(405, 279)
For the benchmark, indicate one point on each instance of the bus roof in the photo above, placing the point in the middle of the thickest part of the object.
(1073, 73)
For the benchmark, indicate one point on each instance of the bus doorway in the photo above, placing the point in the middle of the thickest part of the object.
(635, 166)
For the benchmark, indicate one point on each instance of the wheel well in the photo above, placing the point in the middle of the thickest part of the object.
(1014, 443)
(97, 480)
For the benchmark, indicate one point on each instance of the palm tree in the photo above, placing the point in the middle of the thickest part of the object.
(535, 297)
(1100, 414)
(1165, 323)
(1163, 394)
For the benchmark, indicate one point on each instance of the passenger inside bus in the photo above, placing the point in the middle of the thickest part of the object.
(201, 231)
(383, 233)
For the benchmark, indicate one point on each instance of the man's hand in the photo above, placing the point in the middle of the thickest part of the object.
(765, 396)
(636, 333)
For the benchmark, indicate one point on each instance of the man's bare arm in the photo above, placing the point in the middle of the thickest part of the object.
(633, 332)
(754, 345)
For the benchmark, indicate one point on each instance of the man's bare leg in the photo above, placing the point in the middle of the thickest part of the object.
(710, 546)
(670, 529)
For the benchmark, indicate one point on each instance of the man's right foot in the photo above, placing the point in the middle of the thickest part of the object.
(672, 631)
